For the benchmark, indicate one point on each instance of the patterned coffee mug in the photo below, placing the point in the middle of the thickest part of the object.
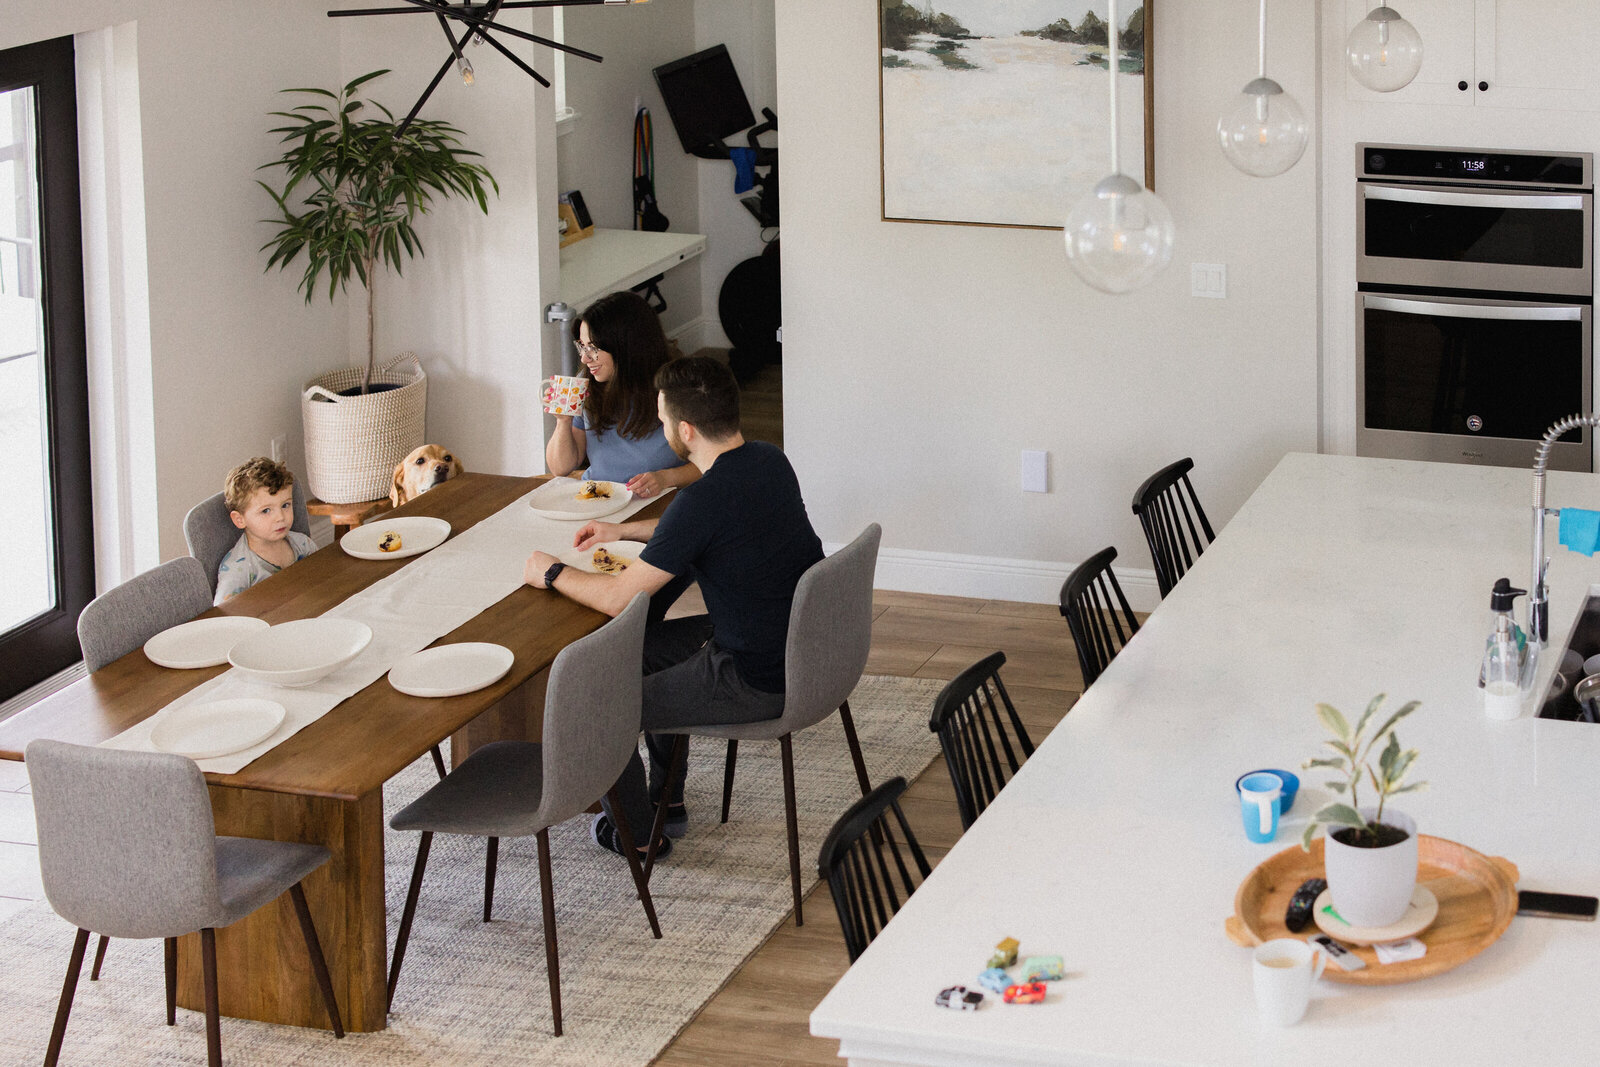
(564, 395)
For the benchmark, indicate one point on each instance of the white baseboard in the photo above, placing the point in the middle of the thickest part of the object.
(995, 578)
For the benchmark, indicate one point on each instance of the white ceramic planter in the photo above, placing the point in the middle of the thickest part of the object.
(1373, 886)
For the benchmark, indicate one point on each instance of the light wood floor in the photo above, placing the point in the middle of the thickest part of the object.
(761, 1015)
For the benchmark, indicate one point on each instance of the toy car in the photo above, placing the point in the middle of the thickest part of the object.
(1005, 953)
(1025, 993)
(959, 998)
(1042, 969)
(995, 980)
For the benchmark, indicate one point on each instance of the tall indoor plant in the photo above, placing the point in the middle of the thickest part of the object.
(353, 185)
(1371, 859)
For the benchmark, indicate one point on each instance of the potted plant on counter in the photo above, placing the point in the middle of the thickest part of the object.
(352, 189)
(1371, 858)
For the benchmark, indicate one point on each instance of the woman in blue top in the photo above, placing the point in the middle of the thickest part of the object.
(619, 434)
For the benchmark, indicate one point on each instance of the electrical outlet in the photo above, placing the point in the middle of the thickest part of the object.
(1035, 472)
(280, 448)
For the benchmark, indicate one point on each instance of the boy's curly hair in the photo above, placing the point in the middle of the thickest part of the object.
(247, 477)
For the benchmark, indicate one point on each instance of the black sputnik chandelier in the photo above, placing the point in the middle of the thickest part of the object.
(477, 24)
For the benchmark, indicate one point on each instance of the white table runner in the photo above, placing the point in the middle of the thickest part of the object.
(408, 610)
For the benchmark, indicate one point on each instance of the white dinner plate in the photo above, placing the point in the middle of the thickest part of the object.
(201, 643)
(583, 559)
(418, 533)
(558, 499)
(450, 670)
(218, 728)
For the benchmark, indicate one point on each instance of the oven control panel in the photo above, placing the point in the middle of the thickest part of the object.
(1469, 165)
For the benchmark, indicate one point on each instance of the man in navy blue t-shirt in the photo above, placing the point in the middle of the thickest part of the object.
(742, 532)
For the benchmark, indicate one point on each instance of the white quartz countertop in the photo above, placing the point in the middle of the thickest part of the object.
(1119, 845)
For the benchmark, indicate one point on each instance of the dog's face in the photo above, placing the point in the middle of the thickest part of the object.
(420, 471)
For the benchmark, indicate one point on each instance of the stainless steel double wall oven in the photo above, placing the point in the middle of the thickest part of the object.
(1475, 279)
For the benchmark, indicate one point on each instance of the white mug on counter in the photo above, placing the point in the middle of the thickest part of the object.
(1285, 969)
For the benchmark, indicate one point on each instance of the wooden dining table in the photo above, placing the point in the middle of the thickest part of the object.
(324, 785)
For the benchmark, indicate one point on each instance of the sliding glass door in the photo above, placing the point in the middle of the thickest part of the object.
(46, 532)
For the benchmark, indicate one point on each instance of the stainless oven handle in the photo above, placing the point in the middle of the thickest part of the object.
(1474, 311)
(1528, 202)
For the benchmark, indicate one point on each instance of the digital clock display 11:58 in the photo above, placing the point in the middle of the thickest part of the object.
(1474, 166)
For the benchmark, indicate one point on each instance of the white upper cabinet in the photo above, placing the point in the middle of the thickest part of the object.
(1497, 53)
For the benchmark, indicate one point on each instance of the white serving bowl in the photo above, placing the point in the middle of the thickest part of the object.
(301, 652)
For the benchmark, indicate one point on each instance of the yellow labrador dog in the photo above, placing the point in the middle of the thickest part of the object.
(420, 471)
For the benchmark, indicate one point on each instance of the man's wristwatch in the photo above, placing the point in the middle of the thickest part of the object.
(550, 575)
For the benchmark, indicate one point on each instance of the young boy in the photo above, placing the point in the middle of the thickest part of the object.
(260, 498)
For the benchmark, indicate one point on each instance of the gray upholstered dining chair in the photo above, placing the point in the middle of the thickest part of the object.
(209, 532)
(830, 635)
(128, 848)
(518, 788)
(121, 619)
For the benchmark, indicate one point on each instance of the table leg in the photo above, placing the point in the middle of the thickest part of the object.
(263, 972)
(517, 716)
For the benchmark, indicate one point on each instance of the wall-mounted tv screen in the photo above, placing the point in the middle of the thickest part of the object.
(704, 98)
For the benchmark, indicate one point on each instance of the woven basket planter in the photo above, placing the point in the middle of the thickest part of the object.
(354, 443)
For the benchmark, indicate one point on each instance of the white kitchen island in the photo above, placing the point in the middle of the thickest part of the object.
(1119, 845)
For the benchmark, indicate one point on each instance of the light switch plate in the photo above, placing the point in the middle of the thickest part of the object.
(1035, 472)
(1208, 280)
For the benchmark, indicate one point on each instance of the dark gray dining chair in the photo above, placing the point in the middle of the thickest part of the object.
(209, 532)
(830, 635)
(518, 788)
(128, 849)
(122, 619)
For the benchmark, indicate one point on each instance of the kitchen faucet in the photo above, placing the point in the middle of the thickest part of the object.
(1538, 627)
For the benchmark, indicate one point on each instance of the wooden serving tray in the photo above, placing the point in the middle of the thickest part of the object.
(1477, 899)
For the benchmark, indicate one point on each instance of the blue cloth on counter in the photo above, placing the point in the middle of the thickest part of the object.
(744, 169)
(1580, 530)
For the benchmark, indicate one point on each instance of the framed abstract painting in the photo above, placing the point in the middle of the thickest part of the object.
(995, 112)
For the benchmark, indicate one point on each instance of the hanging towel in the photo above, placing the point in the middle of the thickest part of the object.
(1580, 530)
(744, 169)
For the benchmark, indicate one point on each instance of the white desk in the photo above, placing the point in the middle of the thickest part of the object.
(1119, 844)
(619, 259)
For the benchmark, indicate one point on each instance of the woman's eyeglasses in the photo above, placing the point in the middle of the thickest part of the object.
(588, 348)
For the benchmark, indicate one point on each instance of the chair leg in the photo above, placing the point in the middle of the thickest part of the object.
(319, 965)
(99, 957)
(410, 911)
(727, 777)
(208, 965)
(438, 761)
(786, 742)
(855, 748)
(490, 863)
(548, 892)
(676, 767)
(68, 987)
(625, 835)
(172, 981)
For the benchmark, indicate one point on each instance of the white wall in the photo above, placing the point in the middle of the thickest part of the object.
(597, 156)
(921, 359)
(228, 346)
(472, 307)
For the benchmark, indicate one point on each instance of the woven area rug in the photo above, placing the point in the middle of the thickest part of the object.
(475, 993)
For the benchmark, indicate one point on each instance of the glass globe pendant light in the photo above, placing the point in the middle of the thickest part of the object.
(1384, 50)
(1264, 132)
(1120, 235)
